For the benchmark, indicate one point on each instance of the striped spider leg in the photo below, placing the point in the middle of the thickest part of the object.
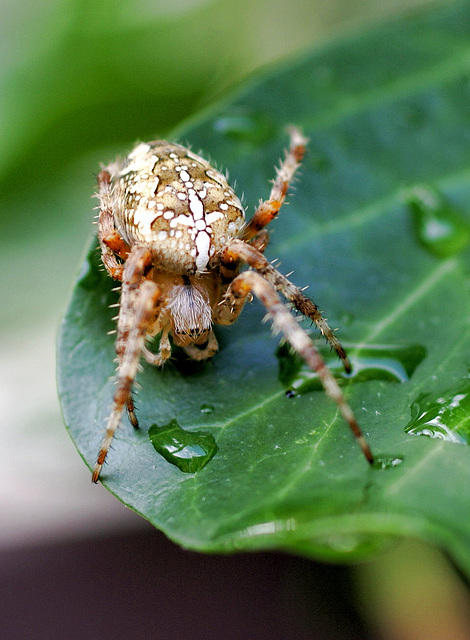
(264, 281)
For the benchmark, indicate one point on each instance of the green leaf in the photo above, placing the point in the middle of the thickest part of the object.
(387, 115)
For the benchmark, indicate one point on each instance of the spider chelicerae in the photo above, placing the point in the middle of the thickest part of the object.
(173, 232)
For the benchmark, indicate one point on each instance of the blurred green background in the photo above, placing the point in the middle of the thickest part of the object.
(80, 82)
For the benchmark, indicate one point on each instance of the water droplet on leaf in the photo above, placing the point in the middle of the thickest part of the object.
(242, 124)
(207, 408)
(445, 416)
(380, 362)
(387, 462)
(190, 451)
(439, 227)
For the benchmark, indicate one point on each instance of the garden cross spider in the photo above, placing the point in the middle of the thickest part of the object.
(172, 230)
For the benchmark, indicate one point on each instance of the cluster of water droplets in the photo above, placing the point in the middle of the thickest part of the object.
(376, 362)
(445, 416)
(442, 230)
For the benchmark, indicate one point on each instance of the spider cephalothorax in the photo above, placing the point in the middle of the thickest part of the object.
(173, 231)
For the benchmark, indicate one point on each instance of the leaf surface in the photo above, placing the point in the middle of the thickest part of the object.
(385, 179)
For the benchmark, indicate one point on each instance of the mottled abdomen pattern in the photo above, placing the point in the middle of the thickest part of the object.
(172, 201)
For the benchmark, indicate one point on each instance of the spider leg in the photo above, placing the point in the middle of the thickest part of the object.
(260, 241)
(111, 242)
(164, 351)
(268, 209)
(139, 301)
(229, 266)
(131, 412)
(283, 321)
(239, 250)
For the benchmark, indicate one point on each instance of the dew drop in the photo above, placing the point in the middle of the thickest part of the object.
(243, 124)
(233, 125)
(207, 408)
(387, 462)
(346, 319)
(190, 451)
(381, 362)
(445, 416)
(439, 226)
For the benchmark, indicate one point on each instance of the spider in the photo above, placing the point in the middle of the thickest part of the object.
(173, 232)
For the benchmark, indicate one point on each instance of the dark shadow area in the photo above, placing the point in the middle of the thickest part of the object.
(142, 586)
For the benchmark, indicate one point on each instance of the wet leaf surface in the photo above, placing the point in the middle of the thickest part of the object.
(387, 113)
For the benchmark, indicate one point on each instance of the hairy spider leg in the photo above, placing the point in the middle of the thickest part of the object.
(260, 241)
(111, 242)
(268, 209)
(237, 249)
(139, 304)
(255, 232)
(283, 321)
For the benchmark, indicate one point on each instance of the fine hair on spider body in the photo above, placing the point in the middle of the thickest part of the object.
(172, 231)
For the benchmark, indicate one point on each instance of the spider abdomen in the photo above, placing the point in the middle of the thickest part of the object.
(174, 202)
